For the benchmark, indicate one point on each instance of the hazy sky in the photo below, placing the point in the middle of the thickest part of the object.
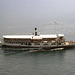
(35, 13)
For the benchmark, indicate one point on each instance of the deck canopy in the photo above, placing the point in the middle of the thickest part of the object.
(36, 37)
(49, 36)
(60, 35)
(29, 36)
(17, 36)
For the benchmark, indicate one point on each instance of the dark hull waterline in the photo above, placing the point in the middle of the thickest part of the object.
(34, 47)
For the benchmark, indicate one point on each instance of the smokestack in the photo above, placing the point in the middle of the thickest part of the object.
(35, 31)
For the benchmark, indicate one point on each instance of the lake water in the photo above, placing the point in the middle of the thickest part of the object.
(36, 63)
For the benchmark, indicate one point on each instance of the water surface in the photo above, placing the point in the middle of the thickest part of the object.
(37, 63)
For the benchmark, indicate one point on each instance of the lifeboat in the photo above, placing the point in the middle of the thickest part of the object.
(42, 41)
(35, 41)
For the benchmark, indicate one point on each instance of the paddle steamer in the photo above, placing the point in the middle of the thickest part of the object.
(35, 41)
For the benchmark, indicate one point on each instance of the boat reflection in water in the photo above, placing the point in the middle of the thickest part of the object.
(9, 51)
